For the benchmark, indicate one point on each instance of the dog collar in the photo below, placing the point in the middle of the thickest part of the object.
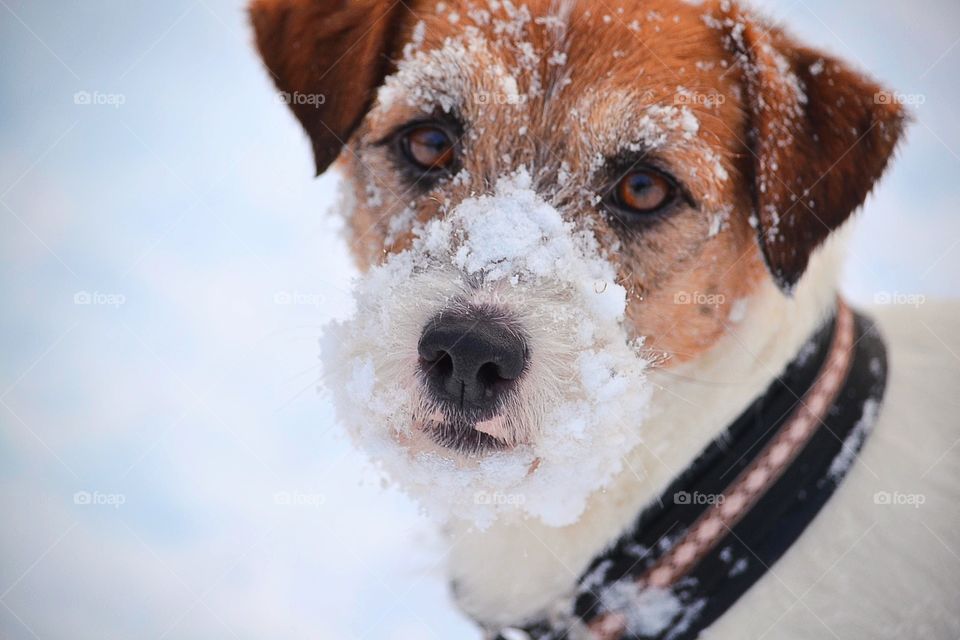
(739, 506)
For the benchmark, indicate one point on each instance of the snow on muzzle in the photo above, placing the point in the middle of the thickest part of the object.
(487, 369)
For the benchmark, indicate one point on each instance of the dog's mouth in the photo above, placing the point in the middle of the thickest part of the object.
(468, 433)
(467, 437)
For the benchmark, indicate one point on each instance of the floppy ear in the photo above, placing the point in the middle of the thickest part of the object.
(327, 57)
(820, 134)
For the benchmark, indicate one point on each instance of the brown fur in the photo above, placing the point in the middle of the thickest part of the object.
(337, 53)
(814, 161)
(796, 169)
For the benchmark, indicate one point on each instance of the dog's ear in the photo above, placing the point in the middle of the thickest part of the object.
(820, 136)
(328, 57)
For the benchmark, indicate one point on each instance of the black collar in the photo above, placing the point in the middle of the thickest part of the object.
(741, 503)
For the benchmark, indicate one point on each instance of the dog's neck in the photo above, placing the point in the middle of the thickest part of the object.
(517, 569)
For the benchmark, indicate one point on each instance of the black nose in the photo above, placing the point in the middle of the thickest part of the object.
(470, 359)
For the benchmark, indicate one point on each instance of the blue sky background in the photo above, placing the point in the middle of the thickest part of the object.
(189, 217)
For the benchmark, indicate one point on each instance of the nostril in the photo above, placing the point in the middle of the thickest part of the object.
(439, 365)
(489, 376)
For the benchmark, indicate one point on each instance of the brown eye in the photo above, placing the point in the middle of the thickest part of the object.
(643, 191)
(428, 148)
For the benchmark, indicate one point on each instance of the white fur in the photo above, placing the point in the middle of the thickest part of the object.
(857, 568)
(868, 570)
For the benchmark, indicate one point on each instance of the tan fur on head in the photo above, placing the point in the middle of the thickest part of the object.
(789, 141)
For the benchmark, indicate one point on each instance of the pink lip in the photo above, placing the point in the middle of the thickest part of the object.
(433, 418)
(495, 427)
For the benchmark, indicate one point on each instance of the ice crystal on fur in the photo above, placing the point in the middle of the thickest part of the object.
(646, 611)
(578, 407)
(851, 446)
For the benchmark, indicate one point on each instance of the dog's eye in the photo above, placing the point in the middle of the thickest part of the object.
(428, 148)
(643, 191)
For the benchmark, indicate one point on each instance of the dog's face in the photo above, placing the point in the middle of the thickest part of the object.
(549, 196)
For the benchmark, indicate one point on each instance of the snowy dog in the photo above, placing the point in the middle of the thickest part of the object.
(598, 330)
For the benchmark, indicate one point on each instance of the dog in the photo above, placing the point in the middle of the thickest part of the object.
(598, 330)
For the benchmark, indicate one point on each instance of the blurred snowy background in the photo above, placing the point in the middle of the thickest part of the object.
(167, 468)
